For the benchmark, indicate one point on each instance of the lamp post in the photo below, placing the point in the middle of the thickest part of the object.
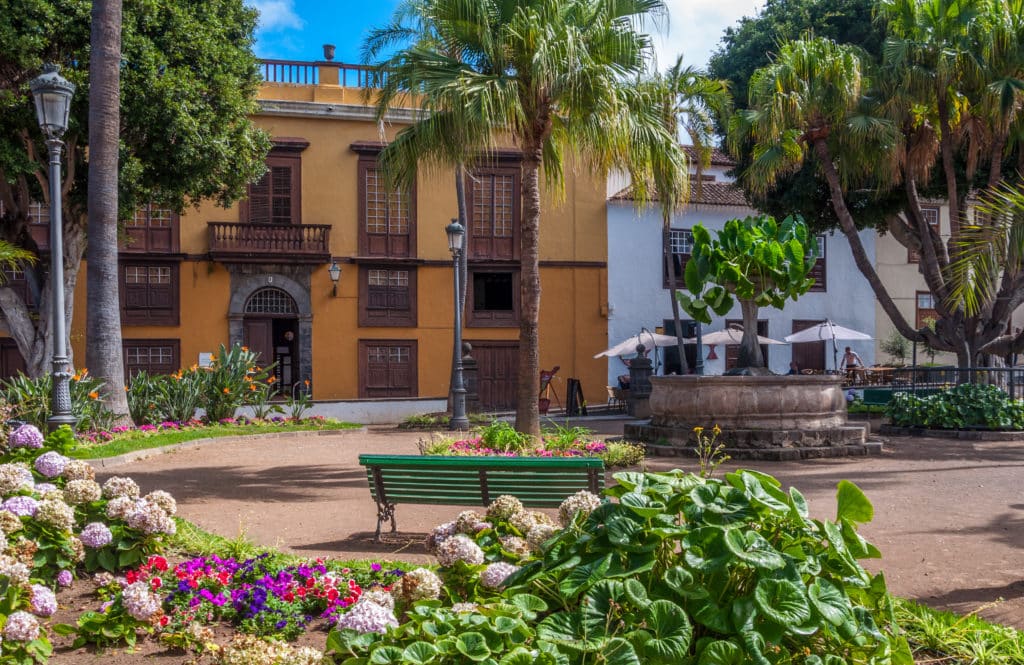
(52, 94)
(456, 237)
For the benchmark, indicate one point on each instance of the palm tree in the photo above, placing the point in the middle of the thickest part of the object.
(690, 100)
(103, 352)
(549, 75)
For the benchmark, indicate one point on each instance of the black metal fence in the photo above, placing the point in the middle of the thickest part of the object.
(929, 380)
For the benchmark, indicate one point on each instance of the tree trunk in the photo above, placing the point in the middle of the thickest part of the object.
(670, 264)
(750, 350)
(527, 413)
(460, 196)
(103, 353)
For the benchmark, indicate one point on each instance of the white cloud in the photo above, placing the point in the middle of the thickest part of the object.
(696, 26)
(277, 15)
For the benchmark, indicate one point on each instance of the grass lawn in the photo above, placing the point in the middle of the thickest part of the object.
(138, 440)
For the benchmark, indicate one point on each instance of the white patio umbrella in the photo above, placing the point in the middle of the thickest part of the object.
(824, 332)
(731, 335)
(646, 337)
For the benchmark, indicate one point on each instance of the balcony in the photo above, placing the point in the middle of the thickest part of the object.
(269, 243)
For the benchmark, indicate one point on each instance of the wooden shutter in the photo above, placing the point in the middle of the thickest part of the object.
(259, 200)
(387, 219)
(494, 202)
(387, 368)
(276, 198)
(387, 296)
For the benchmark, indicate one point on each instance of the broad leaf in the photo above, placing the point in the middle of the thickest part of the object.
(852, 504)
(419, 653)
(722, 652)
(385, 655)
(473, 646)
(782, 601)
(752, 548)
(671, 631)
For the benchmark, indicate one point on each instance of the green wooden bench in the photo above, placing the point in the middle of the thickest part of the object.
(539, 482)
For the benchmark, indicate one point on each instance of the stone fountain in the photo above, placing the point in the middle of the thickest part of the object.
(761, 417)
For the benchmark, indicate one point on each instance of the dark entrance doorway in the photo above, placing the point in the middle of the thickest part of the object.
(732, 351)
(808, 355)
(497, 373)
(271, 329)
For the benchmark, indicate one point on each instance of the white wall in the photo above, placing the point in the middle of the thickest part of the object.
(636, 297)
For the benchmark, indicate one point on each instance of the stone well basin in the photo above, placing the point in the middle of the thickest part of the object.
(761, 417)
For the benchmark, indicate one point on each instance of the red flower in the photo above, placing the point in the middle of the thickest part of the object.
(289, 597)
(310, 582)
(164, 620)
(156, 583)
(158, 562)
(224, 577)
(332, 595)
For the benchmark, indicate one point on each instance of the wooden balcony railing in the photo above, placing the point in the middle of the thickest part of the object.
(253, 243)
(299, 72)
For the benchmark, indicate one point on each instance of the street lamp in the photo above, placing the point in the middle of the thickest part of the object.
(52, 94)
(335, 272)
(456, 237)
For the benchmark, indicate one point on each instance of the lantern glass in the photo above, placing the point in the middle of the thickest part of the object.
(456, 236)
(52, 95)
(334, 271)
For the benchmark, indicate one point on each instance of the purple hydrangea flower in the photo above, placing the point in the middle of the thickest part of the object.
(96, 535)
(44, 601)
(51, 464)
(43, 488)
(26, 436)
(21, 506)
(21, 627)
(65, 578)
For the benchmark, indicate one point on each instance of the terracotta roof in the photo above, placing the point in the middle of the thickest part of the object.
(718, 157)
(711, 193)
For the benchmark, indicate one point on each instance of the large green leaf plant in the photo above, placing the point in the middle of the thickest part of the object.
(757, 261)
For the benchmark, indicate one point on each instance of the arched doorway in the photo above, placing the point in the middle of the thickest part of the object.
(270, 327)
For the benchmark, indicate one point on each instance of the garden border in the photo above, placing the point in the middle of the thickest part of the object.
(962, 434)
(126, 458)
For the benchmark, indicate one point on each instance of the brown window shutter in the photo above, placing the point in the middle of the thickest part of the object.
(259, 200)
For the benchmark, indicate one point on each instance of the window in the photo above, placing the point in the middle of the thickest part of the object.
(494, 196)
(152, 229)
(925, 308)
(17, 280)
(276, 198)
(931, 215)
(387, 368)
(11, 361)
(153, 356)
(387, 296)
(493, 298)
(149, 294)
(818, 271)
(271, 301)
(387, 225)
(681, 246)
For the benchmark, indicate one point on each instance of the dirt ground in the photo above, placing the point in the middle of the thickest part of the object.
(949, 515)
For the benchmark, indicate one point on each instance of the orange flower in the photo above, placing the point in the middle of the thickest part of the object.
(306, 382)
(252, 387)
(245, 348)
(271, 379)
(94, 395)
(227, 391)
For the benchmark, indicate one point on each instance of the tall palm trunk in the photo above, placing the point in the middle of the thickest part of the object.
(673, 280)
(527, 412)
(103, 316)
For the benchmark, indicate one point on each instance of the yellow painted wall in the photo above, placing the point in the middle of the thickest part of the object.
(573, 305)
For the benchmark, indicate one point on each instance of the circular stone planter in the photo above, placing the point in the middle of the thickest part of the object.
(962, 434)
(761, 417)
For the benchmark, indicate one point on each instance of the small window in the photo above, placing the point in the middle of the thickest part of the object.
(493, 298)
(819, 271)
(152, 229)
(387, 368)
(925, 308)
(153, 356)
(271, 301)
(149, 295)
(681, 246)
(931, 215)
(387, 296)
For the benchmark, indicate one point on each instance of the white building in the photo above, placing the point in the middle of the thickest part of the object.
(638, 296)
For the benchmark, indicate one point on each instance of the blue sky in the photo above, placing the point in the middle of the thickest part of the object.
(296, 29)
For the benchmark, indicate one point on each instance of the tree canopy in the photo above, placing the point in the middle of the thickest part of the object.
(188, 85)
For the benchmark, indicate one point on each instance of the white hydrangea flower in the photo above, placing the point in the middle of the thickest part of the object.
(516, 545)
(120, 486)
(15, 477)
(21, 627)
(439, 534)
(150, 518)
(418, 584)
(139, 602)
(379, 596)
(494, 575)
(77, 492)
(504, 507)
(164, 500)
(368, 618)
(119, 508)
(56, 513)
(580, 502)
(78, 469)
(467, 521)
(459, 548)
(539, 535)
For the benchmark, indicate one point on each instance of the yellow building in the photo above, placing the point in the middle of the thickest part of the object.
(257, 273)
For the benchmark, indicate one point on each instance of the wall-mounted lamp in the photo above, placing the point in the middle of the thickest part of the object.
(335, 272)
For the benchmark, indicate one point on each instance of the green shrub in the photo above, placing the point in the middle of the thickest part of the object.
(227, 381)
(564, 438)
(501, 436)
(31, 400)
(968, 405)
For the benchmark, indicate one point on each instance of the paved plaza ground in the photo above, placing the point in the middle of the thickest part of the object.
(949, 515)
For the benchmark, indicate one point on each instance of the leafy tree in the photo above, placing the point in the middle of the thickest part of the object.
(103, 320)
(754, 260)
(549, 75)
(188, 85)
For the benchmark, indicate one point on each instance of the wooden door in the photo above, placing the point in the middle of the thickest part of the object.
(497, 373)
(732, 351)
(808, 355)
(258, 336)
(11, 361)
